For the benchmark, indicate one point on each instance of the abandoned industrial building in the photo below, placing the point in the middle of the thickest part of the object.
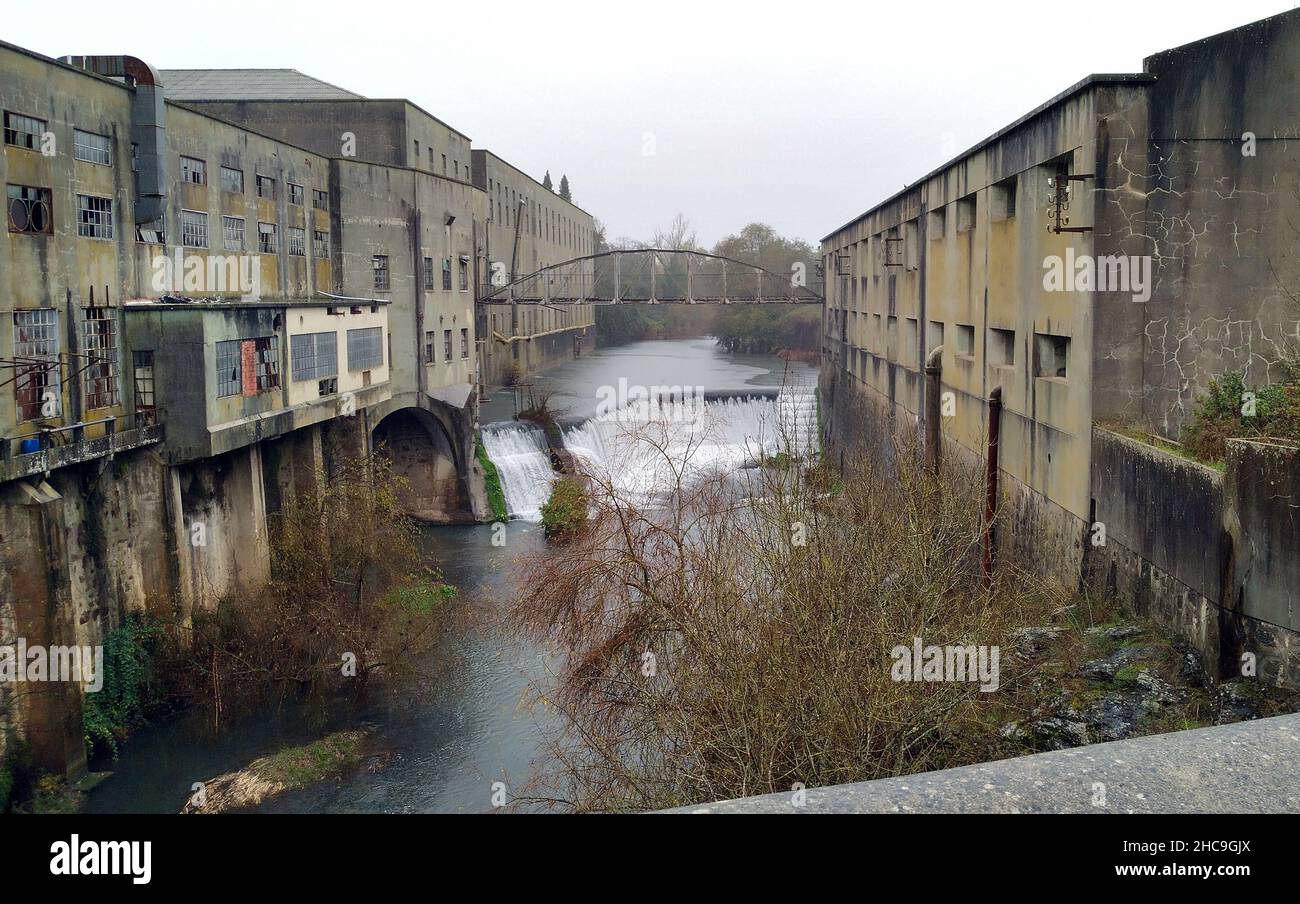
(217, 283)
(1185, 172)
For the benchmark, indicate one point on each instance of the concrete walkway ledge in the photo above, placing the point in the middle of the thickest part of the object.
(1246, 767)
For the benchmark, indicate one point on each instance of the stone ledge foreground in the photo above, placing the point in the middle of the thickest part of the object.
(1246, 767)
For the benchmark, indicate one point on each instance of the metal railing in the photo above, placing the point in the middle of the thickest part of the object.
(42, 449)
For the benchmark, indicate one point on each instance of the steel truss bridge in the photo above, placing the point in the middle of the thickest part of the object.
(651, 276)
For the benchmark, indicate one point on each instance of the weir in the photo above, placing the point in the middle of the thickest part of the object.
(637, 449)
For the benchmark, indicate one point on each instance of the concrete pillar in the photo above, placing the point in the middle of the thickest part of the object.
(49, 712)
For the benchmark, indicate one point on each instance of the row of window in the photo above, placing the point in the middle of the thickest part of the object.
(456, 166)
(28, 132)
(540, 221)
(30, 210)
(194, 234)
(38, 373)
(1051, 352)
(430, 343)
(251, 366)
(195, 171)
(446, 274)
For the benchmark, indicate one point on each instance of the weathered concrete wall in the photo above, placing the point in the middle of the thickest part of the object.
(105, 538)
(91, 545)
(1262, 520)
(499, 360)
(1216, 212)
(1165, 547)
(1211, 556)
(1031, 532)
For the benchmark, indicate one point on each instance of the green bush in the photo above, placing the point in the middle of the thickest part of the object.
(117, 708)
(1220, 417)
(565, 512)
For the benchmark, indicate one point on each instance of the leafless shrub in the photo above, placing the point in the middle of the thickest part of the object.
(734, 637)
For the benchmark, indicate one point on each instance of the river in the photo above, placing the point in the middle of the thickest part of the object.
(469, 727)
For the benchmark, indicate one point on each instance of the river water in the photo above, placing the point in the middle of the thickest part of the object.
(452, 738)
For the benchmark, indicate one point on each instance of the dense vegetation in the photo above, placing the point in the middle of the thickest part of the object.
(1231, 409)
(564, 514)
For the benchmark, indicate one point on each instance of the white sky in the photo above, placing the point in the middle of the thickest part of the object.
(798, 115)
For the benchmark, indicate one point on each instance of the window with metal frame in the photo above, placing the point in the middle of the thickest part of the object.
(94, 217)
(320, 244)
(464, 342)
(313, 356)
(194, 170)
(365, 348)
(266, 187)
(267, 240)
(297, 239)
(380, 265)
(92, 147)
(464, 274)
(229, 368)
(99, 365)
(266, 357)
(24, 131)
(446, 274)
(194, 229)
(232, 233)
(142, 368)
(295, 193)
(320, 199)
(36, 353)
(30, 209)
(446, 346)
(232, 180)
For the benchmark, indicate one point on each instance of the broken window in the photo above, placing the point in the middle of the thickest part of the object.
(24, 131)
(94, 217)
(99, 344)
(30, 210)
(193, 170)
(36, 354)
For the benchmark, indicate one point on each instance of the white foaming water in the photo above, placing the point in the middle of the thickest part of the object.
(524, 463)
(643, 457)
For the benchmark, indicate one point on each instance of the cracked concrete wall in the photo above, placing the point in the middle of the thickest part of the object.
(1217, 214)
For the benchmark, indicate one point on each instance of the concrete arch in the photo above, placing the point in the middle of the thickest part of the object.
(424, 452)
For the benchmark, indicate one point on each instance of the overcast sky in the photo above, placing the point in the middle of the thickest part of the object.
(800, 115)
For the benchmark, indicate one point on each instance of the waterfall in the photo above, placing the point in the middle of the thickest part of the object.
(520, 454)
(641, 455)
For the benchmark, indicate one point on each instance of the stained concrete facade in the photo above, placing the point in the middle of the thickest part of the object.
(222, 279)
(1188, 168)
(530, 227)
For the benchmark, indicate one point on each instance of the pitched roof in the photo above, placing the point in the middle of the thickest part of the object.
(248, 84)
